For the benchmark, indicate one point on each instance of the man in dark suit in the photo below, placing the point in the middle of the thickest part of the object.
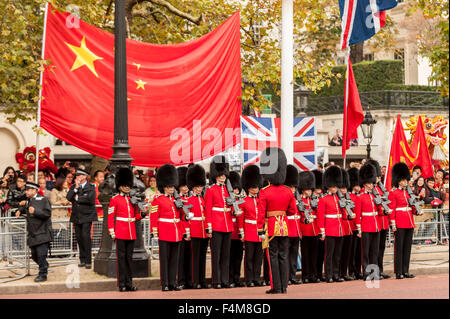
(82, 197)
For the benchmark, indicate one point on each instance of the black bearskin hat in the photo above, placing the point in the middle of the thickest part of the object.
(219, 166)
(251, 177)
(318, 176)
(306, 180)
(195, 176)
(376, 165)
(182, 170)
(235, 180)
(332, 177)
(124, 177)
(345, 179)
(400, 171)
(166, 176)
(367, 174)
(291, 176)
(273, 165)
(353, 174)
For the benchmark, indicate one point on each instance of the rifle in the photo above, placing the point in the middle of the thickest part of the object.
(314, 201)
(385, 192)
(301, 207)
(347, 204)
(180, 204)
(231, 200)
(412, 200)
(380, 201)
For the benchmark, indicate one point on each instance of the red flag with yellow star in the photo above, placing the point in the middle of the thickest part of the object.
(183, 99)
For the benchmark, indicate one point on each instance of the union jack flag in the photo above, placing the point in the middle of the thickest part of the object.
(257, 133)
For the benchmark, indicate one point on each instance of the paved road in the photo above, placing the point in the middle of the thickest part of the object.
(422, 287)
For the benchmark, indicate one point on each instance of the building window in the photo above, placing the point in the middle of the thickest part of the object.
(61, 143)
(399, 54)
(368, 57)
(257, 26)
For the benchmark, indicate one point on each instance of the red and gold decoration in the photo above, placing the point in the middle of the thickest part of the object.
(27, 160)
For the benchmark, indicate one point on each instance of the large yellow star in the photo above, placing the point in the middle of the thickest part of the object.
(84, 57)
(140, 84)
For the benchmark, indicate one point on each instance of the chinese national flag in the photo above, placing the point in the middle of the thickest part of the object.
(182, 98)
(400, 151)
(353, 113)
(419, 147)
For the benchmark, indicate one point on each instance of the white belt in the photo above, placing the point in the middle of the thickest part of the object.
(403, 209)
(123, 219)
(312, 216)
(198, 218)
(334, 216)
(293, 217)
(250, 221)
(370, 214)
(221, 209)
(169, 220)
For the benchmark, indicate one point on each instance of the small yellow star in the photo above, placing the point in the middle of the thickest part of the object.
(84, 57)
(140, 84)
(128, 99)
(137, 65)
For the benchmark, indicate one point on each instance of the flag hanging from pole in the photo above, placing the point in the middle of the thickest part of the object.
(362, 19)
(420, 148)
(353, 112)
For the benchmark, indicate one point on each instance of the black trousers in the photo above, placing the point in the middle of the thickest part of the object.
(168, 262)
(278, 254)
(345, 255)
(83, 236)
(185, 264)
(333, 249)
(320, 258)
(402, 249)
(220, 257)
(236, 254)
(294, 243)
(355, 256)
(199, 247)
(39, 256)
(252, 262)
(266, 270)
(383, 235)
(308, 247)
(124, 251)
(370, 243)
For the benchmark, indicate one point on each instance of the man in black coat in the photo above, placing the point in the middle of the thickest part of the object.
(82, 197)
(39, 225)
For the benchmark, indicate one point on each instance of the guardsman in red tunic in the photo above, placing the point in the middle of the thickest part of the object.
(383, 221)
(121, 226)
(237, 237)
(184, 261)
(219, 221)
(317, 194)
(354, 267)
(251, 218)
(294, 229)
(196, 181)
(166, 224)
(276, 201)
(402, 220)
(348, 234)
(330, 222)
(310, 231)
(367, 220)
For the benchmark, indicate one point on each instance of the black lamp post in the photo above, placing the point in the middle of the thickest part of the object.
(367, 129)
(105, 262)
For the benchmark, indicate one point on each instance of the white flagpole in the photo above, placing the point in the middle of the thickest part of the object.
(38, 117)
(347, 57)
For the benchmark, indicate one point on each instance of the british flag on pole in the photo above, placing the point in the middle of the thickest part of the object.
(257, 133)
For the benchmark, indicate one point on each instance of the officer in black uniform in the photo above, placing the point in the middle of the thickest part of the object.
(39, 225)
(82, 197)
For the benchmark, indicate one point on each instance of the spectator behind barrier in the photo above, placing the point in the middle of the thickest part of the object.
(17, 197)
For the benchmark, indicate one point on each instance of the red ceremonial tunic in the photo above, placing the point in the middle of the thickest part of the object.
(186, 224)
(353, 197)
(367, 213)
(97, 202)
(329, 217)
(294, 228)
(250, 219)
(165, 218)
(218, 214)
(121, 217)
(276, 198)
(402, 213)
(198, 222)
(309, 229)
(383, 220)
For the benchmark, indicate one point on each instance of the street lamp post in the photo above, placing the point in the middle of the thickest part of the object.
(367, 129)
(106, 261)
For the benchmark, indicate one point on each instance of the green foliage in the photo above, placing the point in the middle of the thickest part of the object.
(369, 76)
